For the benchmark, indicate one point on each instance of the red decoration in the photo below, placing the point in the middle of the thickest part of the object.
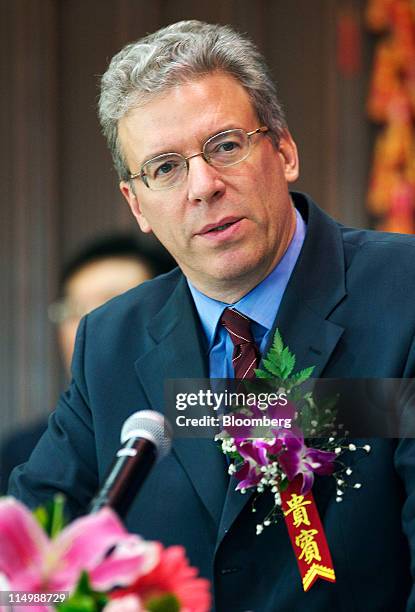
(392, 104)
(307, 536)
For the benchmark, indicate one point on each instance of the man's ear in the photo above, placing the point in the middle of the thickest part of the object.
(289, 155)
(128, 193)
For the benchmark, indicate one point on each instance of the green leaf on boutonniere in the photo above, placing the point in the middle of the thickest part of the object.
(279, 361)
(302, 376)
(277, 369)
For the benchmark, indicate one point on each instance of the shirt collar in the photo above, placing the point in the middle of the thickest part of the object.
(262, 302)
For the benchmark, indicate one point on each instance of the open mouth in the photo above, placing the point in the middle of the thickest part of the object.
(220, 228)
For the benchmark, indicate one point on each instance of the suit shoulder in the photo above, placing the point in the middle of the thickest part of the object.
(358, 238)
(381, 258)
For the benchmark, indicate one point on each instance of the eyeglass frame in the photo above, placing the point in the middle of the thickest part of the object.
(261, 130)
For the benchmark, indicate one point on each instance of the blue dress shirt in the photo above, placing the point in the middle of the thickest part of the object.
(260, 305)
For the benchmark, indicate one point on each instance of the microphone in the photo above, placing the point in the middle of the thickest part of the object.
(146, 437)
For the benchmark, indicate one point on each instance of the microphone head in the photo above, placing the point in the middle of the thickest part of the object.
(152, 426)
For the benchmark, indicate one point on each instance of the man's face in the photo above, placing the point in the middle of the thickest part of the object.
(92, 285)
(251, 198)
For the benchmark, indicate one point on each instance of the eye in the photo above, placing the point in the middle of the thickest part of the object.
(228, 146)
(164, 168)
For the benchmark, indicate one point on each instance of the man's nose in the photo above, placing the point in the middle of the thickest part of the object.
(205, 182)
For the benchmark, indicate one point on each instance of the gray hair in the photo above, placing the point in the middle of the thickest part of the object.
(179, 53)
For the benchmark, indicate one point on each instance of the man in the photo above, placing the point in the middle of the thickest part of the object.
(205, 159)
(101, 270)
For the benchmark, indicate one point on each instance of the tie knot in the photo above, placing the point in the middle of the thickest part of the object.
(238, 326)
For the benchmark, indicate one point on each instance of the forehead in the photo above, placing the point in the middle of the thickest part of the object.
(186, 115)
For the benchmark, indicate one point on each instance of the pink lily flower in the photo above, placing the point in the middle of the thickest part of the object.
(98, 544)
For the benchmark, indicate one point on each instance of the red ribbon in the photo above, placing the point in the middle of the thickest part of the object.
(307, 536)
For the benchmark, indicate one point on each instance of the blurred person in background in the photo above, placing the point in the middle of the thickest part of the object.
(101, 270)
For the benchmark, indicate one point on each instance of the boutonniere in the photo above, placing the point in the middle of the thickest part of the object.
(301, 441)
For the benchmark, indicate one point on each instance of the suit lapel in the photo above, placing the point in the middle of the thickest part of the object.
(178, 352)
(316, 287)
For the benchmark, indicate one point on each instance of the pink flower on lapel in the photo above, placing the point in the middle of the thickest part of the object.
(256, 454)
(298, 459)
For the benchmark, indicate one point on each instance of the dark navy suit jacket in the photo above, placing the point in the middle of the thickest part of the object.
(349, 311)
(17, 447)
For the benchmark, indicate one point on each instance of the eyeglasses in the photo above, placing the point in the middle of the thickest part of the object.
(224, 149)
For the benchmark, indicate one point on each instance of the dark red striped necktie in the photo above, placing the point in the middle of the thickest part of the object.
(245, 357)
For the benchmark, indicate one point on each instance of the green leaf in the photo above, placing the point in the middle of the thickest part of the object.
(42, 517)
(79, 603)
(302, 376)
(287, 362)
(83, 586)
(279, 361)
(58, 517)
(163, 603)
(272, 366)
(283, 485)
(262, 374)
(277, 343)
(279, 364)
(273, 357)
(51, 516)
(84, 598)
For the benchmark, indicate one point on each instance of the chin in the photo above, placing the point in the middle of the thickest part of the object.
(237, 270)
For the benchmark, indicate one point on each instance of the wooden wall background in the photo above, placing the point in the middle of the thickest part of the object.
(58, 188)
